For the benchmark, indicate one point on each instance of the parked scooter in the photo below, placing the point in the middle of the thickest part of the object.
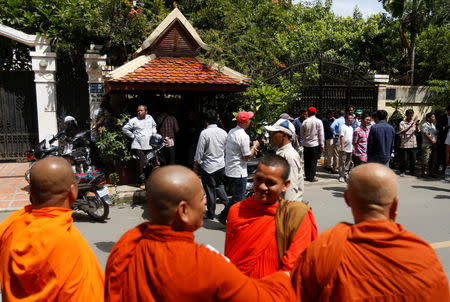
(93, 196)
(154, 158)
(44, 149)
(252, 164)
(78, 152)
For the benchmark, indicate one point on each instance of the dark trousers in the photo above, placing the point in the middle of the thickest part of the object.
(357, 161)
(214, 187)
(169, 155)
(409, 153)
(311, 155)
(140, 165)
(238, 187)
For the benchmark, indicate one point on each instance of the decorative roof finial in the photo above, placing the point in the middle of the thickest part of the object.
(175, 4)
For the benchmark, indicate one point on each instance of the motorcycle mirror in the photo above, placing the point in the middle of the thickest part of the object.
(48, 138)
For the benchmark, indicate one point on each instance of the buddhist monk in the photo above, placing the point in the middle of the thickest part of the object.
(159, 260)
(266, 234)
(43, 257)
(374, 259)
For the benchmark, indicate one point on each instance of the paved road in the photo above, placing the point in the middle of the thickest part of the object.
(424, 209)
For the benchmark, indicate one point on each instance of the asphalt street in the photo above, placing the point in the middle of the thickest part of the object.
(423, 209)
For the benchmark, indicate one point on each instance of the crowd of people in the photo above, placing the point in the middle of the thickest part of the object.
(272, 248)
(353, 137)
(344, 138)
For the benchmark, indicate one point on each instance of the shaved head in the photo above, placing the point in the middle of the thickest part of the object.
(372, 192)
(171, 187)
(51, 181)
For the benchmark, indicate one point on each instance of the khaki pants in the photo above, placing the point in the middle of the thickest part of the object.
(345, 163)
(302, 160)
(329, 150)
(336, 148)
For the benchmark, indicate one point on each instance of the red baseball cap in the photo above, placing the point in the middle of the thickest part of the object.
(312, 109)
(243, 116)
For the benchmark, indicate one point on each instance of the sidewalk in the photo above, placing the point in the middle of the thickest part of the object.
(13, 187)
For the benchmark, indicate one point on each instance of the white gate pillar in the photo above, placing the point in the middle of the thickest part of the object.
(43, 63)
(94, 68)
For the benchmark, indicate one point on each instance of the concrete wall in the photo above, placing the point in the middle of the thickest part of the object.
(413, 97)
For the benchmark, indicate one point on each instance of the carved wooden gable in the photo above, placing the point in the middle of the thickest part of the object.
(175, 42)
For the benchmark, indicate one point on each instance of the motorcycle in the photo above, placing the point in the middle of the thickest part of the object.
(78, 152)
(41, 151)
(154, 159)
(252, 164)
(93, 196)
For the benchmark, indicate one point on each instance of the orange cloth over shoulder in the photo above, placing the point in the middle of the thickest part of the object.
(251, 243)
(156, 263)
(43, 257)
(370, 261)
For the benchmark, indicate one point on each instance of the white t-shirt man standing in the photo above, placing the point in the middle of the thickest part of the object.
(346, 148)
(237, 154)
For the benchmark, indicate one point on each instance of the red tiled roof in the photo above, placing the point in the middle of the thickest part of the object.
(169, 70)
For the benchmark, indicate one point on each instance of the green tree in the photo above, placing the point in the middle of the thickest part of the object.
(413, 15)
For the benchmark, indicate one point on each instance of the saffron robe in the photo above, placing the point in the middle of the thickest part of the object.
(156, 263)
(251, 242)
(43, 257)
(369, 261)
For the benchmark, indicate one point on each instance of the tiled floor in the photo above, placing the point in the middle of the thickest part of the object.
(13, 187)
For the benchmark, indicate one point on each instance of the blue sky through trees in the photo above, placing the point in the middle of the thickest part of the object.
(345, 7)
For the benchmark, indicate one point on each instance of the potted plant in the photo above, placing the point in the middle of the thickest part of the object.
(114, 150)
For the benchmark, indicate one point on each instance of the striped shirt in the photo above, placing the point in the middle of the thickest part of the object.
(360, 136)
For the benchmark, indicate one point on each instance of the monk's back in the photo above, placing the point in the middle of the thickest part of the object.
(371, 261)
(172, 270)
(155, 263)
(47, 257)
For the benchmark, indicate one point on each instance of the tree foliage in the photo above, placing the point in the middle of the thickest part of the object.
(255, 37)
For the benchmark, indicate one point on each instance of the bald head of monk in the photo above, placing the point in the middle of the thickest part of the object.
(52, 183)
(176, 198)
(372, 193)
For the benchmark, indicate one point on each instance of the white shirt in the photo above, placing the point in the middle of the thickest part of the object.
(140, 130)
(210, 152)
(447, 140)
(237, 146)
(312, 132)
(295, 190)
(347, 133)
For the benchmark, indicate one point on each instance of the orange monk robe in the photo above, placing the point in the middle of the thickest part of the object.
(251, 243)
(369, 261)
(43, 257)
(155, 263)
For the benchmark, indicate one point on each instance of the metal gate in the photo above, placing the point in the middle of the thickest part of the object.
(18, 122)
(338, 87)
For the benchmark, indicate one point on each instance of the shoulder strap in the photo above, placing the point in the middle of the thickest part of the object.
(288, 218)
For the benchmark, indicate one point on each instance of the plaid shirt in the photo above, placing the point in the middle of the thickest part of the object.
(408, 138)
(167, 125)
(360, 136)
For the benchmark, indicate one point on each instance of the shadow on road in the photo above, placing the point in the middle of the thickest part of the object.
(82, 217)
(145, 211)
(338, 191)
(431, 188)
(213, 225)
(105, 246)
(326, 175)
(442, 197)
